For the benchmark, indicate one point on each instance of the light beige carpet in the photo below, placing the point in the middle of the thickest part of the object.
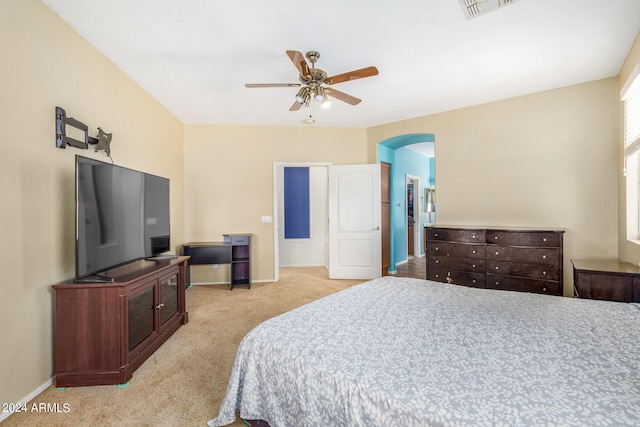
(184, 382)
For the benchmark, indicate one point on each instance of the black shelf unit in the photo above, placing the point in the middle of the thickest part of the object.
(240, 258)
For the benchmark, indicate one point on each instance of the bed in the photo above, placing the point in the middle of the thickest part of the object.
(409, 352)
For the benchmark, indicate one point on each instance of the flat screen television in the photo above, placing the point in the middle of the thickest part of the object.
(122, 216)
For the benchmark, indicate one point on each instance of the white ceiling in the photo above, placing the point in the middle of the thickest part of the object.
(194, 56)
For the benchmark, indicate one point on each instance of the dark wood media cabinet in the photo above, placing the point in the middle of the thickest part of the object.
(105, 331)
(493, 258)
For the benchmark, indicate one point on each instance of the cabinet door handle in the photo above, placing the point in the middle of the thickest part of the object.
(159, 306)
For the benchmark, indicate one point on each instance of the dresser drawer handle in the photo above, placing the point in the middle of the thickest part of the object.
(473, 266)
(496, 253)
(437, 276)
(497, 283)
(473, 237)
(544, 257)
(544, 273)
(474, 252)
(473, 281)
(544, 239)
(437, 261)
(436, 234)
(497, 268)
(544, 289)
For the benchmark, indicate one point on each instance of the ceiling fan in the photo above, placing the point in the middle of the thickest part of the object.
(315, 83)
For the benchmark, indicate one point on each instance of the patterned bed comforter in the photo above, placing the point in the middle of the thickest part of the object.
(408, 352)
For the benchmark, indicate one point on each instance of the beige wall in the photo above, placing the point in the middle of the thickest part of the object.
(629, 252)
(550, 159)
(543, 160)
(47, 64)
(229, 181)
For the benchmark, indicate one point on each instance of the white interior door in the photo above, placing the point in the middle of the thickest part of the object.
(354, 222)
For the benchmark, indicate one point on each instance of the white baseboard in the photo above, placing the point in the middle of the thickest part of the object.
(229, 283)
(28, 398)
(302, 265)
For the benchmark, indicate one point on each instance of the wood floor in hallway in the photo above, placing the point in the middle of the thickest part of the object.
(415, 267)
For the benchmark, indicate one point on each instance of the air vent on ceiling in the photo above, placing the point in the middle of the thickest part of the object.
(473, 8)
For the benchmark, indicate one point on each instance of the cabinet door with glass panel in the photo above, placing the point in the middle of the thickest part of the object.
(151, 307)
(167, 298)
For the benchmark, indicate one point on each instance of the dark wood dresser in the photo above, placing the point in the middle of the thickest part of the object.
(508, 259)
(606, 280)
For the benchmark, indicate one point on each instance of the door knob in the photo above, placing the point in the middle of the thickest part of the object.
(377, 227)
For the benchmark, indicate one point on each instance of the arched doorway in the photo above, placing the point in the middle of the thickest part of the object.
(410, 155)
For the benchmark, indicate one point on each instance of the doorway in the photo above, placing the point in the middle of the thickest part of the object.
(408, 154)
(412, 212)
(307, 252)
(350, 241)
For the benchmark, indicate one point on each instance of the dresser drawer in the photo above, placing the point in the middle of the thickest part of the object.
(533, 271)
(506, 283)
(456, 235)
(465, 278)
(463, 250)
(236, 240)
(547, 256)
(523, 238)
(473, 265)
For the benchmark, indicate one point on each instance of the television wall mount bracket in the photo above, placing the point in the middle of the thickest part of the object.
(102, 142)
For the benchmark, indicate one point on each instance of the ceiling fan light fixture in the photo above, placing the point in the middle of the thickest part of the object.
(303, 95)
(316, 84)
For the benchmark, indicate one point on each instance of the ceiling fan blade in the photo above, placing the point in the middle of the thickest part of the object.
(295, 107)
(342, 96)
(352, 75)
(272, 85)
(300, 63)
